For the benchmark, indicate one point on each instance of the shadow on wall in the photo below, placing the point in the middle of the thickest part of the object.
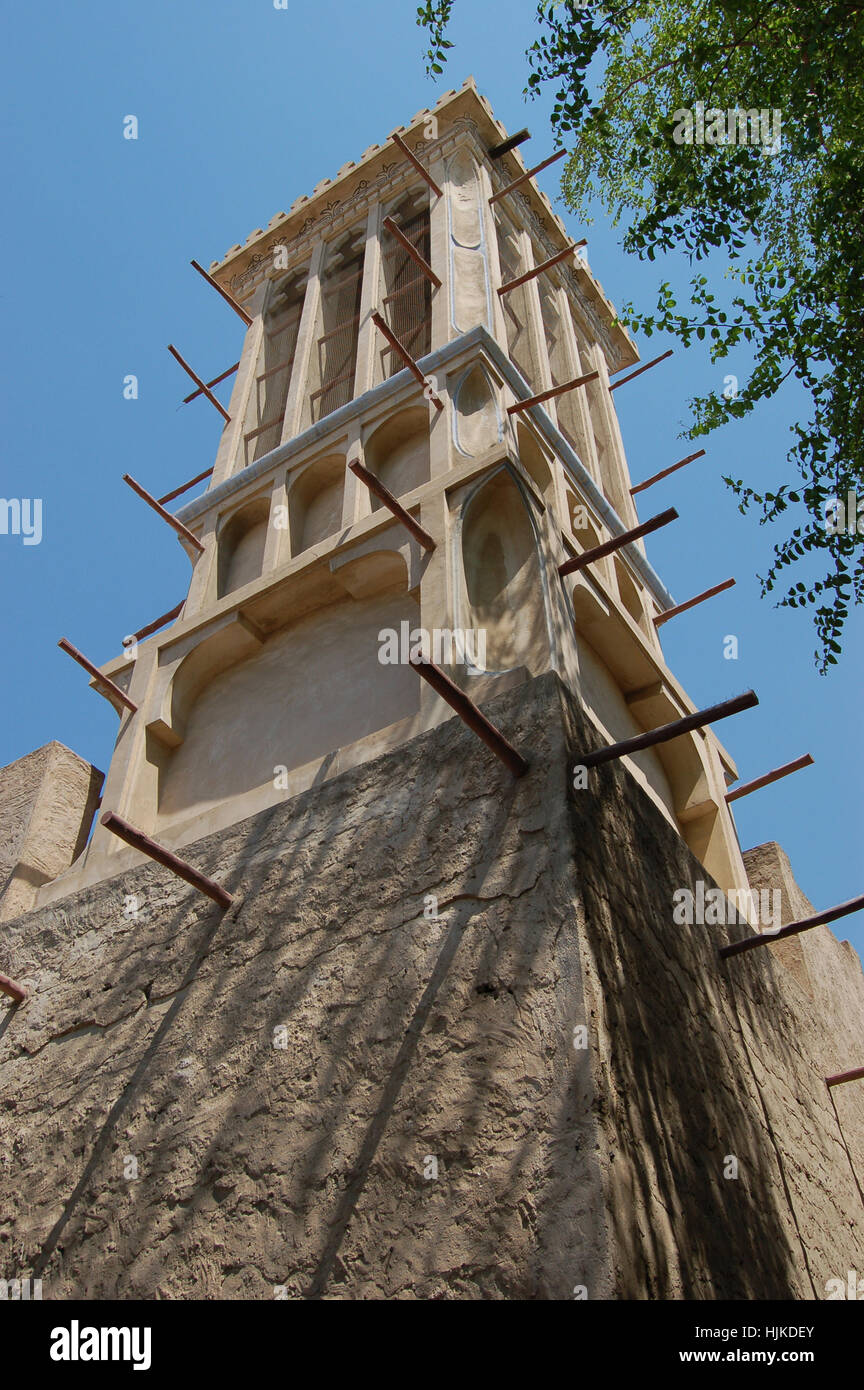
(503, 581)
(677, 1092)
(312, 689)
(300, 1163)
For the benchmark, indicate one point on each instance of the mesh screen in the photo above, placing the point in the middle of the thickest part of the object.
(337, 346)
(408, 300)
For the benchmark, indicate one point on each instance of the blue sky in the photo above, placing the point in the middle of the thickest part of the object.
(242, 108)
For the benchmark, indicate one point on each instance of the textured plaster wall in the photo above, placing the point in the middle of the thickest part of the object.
(301, 1165)
(47, 800)
(697, 1060)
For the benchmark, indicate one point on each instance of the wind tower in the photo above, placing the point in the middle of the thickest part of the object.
(413, 732)
(499, 438)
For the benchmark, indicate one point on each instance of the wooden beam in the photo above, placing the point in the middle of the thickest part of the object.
(124, 831)
(640, 370)
(669, 731)
(202, 386)
(412, 159)
(747, 787)
(692, 602)
(97, 675)
(14, 991)
(608, 547)
(505, 146)
(523, 178)
(376, 486)
(765, 938)
(214, 382)
(555, 391)
(166, 516)
(224, 293)
(842, 1076)
(169, 496)
(538, 269)
(649, 482)
(409, 246)
(159, 622)
(471, 715)
(397, 347)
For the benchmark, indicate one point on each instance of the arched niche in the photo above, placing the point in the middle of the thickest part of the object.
(315, 502)
(470, 301)
(503, 575)
(534, 461)
(478, 424)
(629, 594)
(585, 532)
(466, 226)
(398, 452)
(241, 542)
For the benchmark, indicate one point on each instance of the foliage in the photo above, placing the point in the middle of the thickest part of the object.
(787, 218)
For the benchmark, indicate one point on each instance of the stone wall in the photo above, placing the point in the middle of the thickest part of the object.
(285, 1073)
(47, 801)
(698, 1060)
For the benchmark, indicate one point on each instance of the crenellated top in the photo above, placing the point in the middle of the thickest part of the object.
(462, 117)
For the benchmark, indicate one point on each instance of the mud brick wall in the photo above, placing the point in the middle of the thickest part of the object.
(284, 1073)
(47, 801)
(698, 1059)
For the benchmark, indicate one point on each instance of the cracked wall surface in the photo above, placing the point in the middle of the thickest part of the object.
(283, 1073)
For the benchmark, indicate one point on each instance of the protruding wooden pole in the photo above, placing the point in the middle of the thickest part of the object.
(649, 482)
(412, 159)
(397, 347)
(124, 831)
(471, 715)
(505, 146)
(386, 496)
(692, 602)
(523, 178)
(608, 547)
(224, 293)
(669, 731)
(765, 938)
(14, 991)
(544, 265)
(555, 391)
(412, 251)
(169, 496)
(639, 370)
(202, 385)
(215, 382)
(842, 1076)
(747, 787)
(159, 622)
(97, 675)
(166, 516)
